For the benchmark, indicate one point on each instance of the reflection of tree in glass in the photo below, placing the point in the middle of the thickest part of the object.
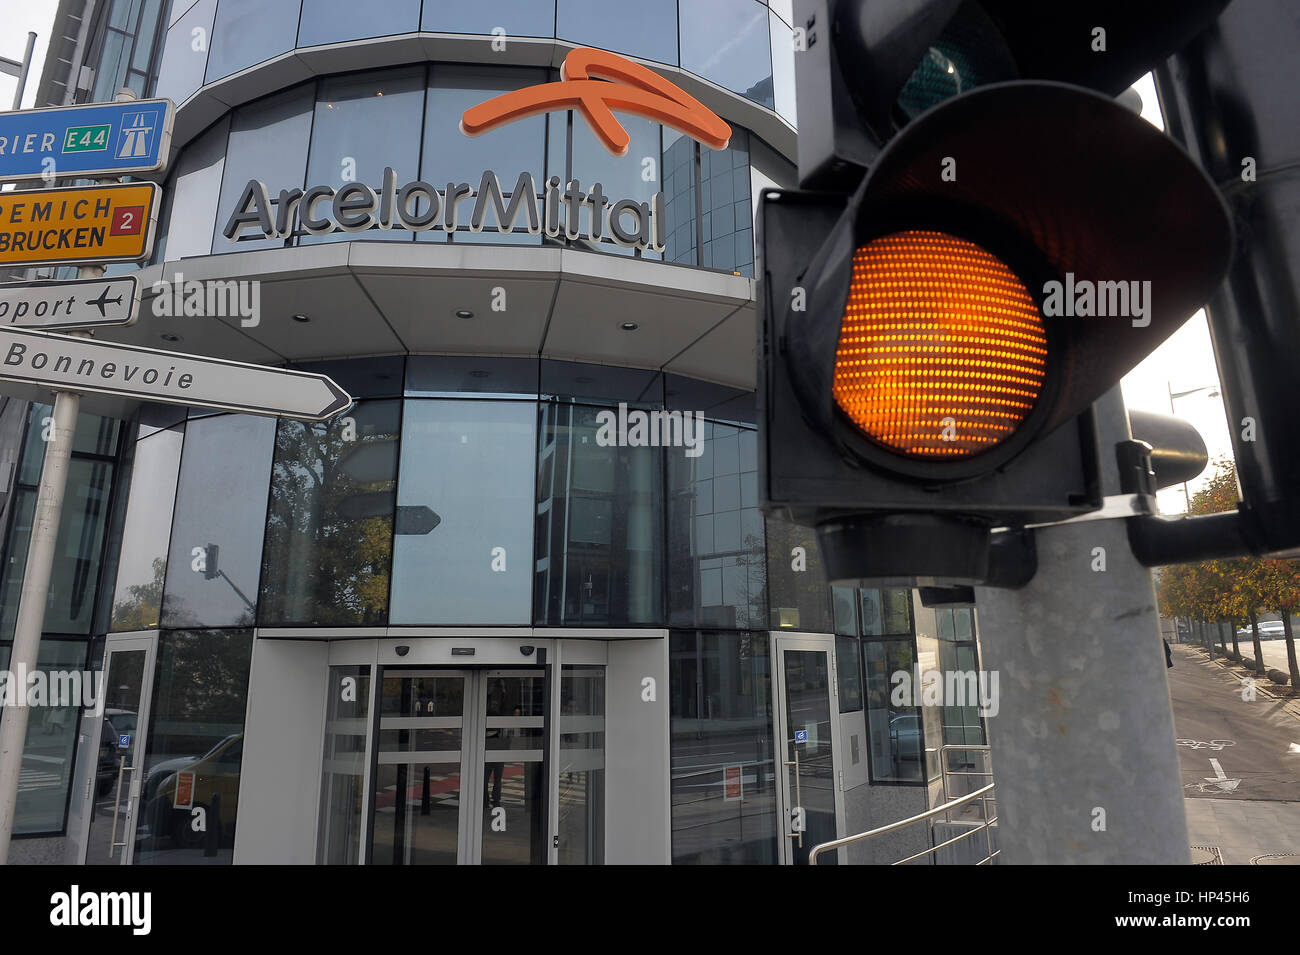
(140, 611)
(329, 530)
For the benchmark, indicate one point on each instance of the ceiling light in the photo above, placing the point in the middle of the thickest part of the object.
(300, 317)
(170, 338)
(464, 313)
(629, 326)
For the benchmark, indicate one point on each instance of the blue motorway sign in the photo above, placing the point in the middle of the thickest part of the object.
(100, 139)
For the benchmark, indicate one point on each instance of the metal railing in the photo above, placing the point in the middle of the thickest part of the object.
(983, 796)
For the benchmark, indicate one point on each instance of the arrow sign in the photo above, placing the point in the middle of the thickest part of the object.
(83, 303)
(102, 139)
(1221, 778)
(415, 519)
(80, 365)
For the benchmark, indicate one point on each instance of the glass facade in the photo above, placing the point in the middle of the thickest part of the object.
(344, 129)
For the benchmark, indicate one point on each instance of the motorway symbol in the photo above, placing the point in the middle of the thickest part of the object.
(78, 225)
(82, 303)
(100, 139)
(61, 363)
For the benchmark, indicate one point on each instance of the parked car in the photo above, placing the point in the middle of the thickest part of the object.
(1268, 630)
(216, 772)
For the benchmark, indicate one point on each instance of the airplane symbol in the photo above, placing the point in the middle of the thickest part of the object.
(102, 301)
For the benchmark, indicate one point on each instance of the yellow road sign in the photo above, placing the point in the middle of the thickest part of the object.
(81, 224)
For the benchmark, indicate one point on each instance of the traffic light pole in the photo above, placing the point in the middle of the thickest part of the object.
(1083, 740)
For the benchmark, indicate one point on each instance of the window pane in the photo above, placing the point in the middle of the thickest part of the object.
(720, 721)
(847, 662)
(347, 726)
(194, 194)
(897, 611)
(644, 28)
(516, 17)
(112, 66)
(227, 458)
(329, 534)
(51, 733)
(196, 725)
(599, 525)
(717, 559)
(184, 58)
(77, 553)
(142, 565)
(742, 63)
(783, 70)
(582, 766)
(248, 32)
(364, 123)
(679, 198)
(726, 225)
(796, 579)
(334, 21)
(450, 376)
(268, 142)
(846, 619)
(632, 176)
(470, 463)
(452, 157)
(895, 731)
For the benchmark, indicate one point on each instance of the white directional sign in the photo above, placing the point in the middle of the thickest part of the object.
(82, 303)
(82, 365)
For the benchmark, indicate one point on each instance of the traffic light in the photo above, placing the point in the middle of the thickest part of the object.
(992, 244)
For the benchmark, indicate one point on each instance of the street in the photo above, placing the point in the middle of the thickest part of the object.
(1255, 745)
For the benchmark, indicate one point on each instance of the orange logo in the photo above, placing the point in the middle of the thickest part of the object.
(633, 89)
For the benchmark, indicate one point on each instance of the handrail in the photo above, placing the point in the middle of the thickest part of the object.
(912, 820)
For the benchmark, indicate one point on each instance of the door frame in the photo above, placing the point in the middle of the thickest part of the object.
(823, 642)
(92, 729)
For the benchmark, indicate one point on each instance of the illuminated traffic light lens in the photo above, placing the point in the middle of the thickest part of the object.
(942, 351)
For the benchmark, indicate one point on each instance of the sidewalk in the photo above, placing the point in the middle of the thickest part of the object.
(1244, 829)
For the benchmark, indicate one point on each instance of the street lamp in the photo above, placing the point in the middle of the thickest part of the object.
(1213, 393)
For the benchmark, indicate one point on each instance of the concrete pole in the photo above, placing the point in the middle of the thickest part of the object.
(1083, 742)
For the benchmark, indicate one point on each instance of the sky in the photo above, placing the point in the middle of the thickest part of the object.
(1183, 363)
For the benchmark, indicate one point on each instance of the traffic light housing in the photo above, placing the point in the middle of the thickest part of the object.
(934, 331)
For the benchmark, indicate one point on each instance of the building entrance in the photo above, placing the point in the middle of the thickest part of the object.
(460, 767)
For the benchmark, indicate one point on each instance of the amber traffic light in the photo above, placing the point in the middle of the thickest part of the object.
(942, 350)
(920, 384)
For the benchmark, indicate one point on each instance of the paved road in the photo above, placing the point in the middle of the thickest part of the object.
(1251, 741)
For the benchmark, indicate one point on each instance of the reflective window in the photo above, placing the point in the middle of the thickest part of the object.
(74, 575)
(366, 122)
(742, 63)
(185, 52)
(463, 547)
(635, 176)
(894, 720)
(845, 601)
(142, 564)
(268, 142)
(848, 664)
(193, 195)
(885, 612)
(717, 559)
(347, 726)
(782, 69)
(600, 523)
(215, 556)
(334, 21)
(250, 31)
(51, 735)
(516, 17)
(797, 589)
(727, 225)
(329, 533)
(644, 28)
(196, 726)
(581, 768)
(449, 376)
(601, 383)
(723, 786)
(680, 220)
(452, 157)
(718, 402)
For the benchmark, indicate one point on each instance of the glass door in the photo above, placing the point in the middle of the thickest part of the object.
(459, 773)
(114, 792)
(808, 725)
